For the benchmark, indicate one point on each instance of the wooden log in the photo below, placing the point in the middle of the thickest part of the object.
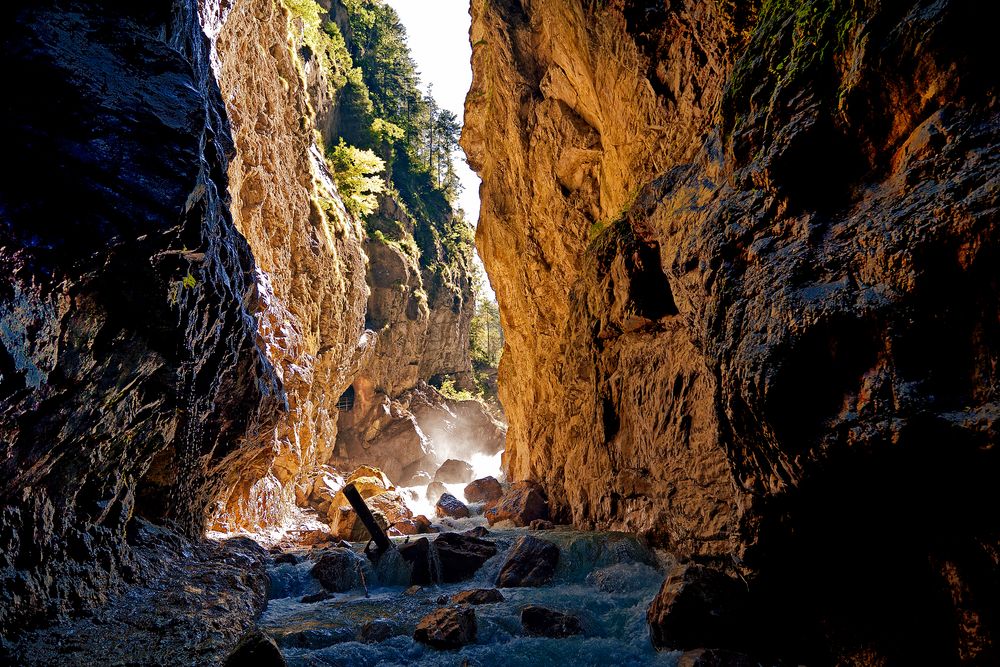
(382, 541)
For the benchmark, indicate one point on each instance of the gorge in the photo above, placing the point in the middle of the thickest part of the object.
(745, 261)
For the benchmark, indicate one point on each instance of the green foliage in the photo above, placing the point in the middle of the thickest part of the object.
(356, 173)
(448, 390)
(323, 37)
(486, 335)
(792, 42)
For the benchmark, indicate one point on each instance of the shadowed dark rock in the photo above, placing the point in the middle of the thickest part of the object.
(531, 562)
(337, 570)
(461, 556)
(257, 649)
(541, 622)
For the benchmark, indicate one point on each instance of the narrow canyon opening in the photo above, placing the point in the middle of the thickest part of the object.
(702, 371)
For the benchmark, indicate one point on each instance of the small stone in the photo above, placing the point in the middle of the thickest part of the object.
(478, 596)
(483, 490)
(448, 627)
(541, 622)
(531, 562)
(450, 506)
(541, 524)
(413, 590)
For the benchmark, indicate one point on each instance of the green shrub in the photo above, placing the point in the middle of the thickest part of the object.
(356, 173)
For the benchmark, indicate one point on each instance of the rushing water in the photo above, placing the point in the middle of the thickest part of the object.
(605, 579)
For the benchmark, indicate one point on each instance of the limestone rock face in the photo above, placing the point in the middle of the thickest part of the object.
(309, 251)
(746, 262)
(131, 378)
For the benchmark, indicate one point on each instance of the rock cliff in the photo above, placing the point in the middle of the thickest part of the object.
(131, 378)
(745, 255)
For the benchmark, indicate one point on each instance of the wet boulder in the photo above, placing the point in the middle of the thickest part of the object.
(454, 471)
(450, 506)
(477, 596)
(541, 524)
(483, 490)
(448, 627)
(387, 507)
(404, 527)
(337, 570)
(375, 631)
(523, 502)
(461, 556)
(256, 648)
(531, 562)
(697, 606)
(417, 555)
(434, 491)
(541, 622)
(704, 657)
(478, 531)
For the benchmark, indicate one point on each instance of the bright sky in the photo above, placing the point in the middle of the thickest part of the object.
(438, 35)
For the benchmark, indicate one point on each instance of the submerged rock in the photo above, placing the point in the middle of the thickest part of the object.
(478, 596)
(523, 502)
(484, 489)
(541, 622)
(450, 506)
(417, 555)
(461, 556)
(478, 531)
(454, 471)
(337, 570)
(531, 562)
(447, 628)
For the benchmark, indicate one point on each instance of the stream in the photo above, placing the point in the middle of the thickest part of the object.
(605, 579)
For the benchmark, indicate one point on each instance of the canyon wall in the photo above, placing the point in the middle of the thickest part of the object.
(131, 376)
(746, 259)
(309, 250)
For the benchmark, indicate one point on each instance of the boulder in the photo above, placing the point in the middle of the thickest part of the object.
(290, 559)
(312, 538)
(454, 471)
(541, 524)
(448, 627)
(478, 531)
(435, 490)
(704, 657)
(523, 502)
(697, 606)
(404, 527)
(316, 597)
(366, 475)
(541, 622)
(256, 648)
(478, 596)
(449, 505)
(423, 523)
(375, 631)
(531, 562)
(387, 507)
(483, 490)
(417, 555)
(337, 570)
(461, 556)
